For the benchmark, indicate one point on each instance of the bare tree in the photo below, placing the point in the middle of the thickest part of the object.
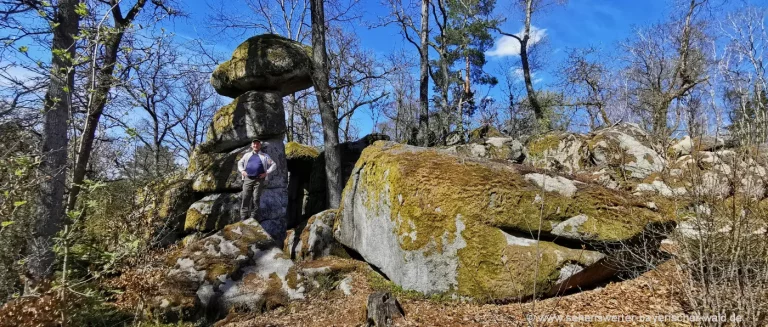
(330, 122)
(195, 102)
(155, 68)
(665, 62)
(401, 16)
(744, 72)
(586, 79)
(106, 44)
(524, 38)
(356, 78)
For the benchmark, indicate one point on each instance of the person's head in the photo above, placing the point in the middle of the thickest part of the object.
(256, 145)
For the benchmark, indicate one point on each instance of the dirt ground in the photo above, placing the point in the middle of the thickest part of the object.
(648, 296)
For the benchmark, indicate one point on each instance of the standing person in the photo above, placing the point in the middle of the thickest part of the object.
(255, 167)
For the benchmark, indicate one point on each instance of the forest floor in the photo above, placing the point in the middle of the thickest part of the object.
(652, 294)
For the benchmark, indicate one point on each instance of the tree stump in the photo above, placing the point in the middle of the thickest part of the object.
(382, 310)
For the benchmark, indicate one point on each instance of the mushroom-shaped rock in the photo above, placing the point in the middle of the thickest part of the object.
(265, 63)
(252, 115)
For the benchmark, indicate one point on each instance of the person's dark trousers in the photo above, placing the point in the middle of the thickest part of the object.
(251, 198)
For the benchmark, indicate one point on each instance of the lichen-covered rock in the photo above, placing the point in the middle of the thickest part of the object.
(215, 211)
(687, 145)
(238, 268)
(217, 172)
(613, 155)
(718, 174)
(454, 138)
(251, 115)
(480, 134)
(266, 62)
(350, 152)
(315, 239)
(504, 148)
(627, 148)
(163, 209)
(560, 152)
(434, 222)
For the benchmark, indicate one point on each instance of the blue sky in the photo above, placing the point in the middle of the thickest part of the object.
(578, 23)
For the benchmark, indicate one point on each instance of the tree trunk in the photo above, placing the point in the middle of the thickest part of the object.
(532, 100)
(291, 114)
(95, 109)
(423, 138)
(98, 100)
(327, 114)
(58, 104)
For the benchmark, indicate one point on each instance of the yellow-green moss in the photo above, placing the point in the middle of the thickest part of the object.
(538, 147)
(194, 221)
(427, 191)
(292, 278)
(223, 120)
(295, 150)
(216, 269)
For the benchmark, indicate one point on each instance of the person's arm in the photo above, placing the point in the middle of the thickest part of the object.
(271, 163)
(241, 164)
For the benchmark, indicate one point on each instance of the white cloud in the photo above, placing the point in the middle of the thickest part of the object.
(16, 73)
(509, 46)
(517, 73)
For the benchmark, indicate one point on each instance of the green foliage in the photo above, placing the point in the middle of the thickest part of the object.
(18, 182)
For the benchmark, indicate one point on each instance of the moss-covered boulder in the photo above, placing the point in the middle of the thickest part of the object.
(251, 115)
(217, 172)
(163, 209)
(435, 222)
(215, 211)
(617, 156)
(300, 159)
(266, 62)
(238, 268)
(350, 152)
(314, 239)
(502, 148)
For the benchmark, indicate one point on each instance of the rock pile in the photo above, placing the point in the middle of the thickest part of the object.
(241, 266)
(261, 71)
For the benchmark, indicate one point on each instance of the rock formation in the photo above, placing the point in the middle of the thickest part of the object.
(261, 71)
(435, 222)
(241, 266)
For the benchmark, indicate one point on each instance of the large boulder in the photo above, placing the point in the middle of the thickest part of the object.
(215, 211)
(163, 207)
(315, 239)
(266, 62)
(239, 268)
(217, 172)
(251, 115)
(434, 222)
(350, 152)
(617, 156)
